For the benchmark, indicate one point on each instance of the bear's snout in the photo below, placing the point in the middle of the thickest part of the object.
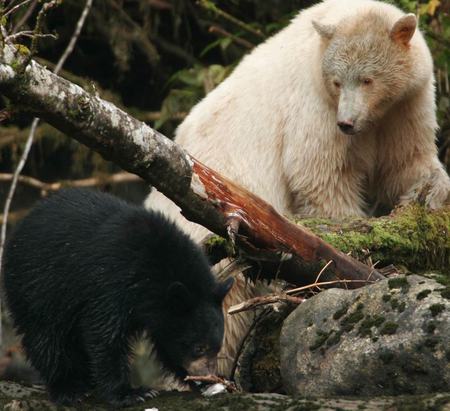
(202, 366)
(347, 126)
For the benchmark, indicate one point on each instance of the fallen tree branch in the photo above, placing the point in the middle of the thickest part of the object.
(117, 178)
(204, 196)
(264, 300)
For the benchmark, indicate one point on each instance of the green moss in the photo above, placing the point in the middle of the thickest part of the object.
(21, 49)
(430, 327)
(431, 343)
(386, 356)
(436, 309)
(321, 338)
(365, 329)
(351, 320)
(386, 297)
(398, 282)
(413, 237)
(217, 248)
(394, 303)
(423, 294)
(16, 65)
(399, 306)
(334, 338)
(339, 313)
(443, 279)
(445, 293)
(389, 328)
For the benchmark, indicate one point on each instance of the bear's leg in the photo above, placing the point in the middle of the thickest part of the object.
(108, 349)
(61, 363)
(71, 381)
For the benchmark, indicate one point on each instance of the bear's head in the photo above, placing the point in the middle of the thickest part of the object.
(190, 336)
(368, 65)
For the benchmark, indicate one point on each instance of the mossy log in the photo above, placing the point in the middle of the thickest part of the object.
(412, 237)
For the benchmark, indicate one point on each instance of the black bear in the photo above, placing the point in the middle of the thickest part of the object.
(86, 272)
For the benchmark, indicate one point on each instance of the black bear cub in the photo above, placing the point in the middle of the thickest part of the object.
(86, 272)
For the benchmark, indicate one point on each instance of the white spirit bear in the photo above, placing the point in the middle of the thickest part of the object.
(333, 116)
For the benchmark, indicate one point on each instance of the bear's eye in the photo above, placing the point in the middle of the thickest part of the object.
(199, 351)
(367, 81)
(336, 84)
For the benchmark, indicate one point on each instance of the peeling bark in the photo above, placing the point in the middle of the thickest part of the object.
(204, 196)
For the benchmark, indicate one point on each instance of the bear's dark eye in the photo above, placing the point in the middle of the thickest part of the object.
(336, 84)
(367, 81)
(199, 351)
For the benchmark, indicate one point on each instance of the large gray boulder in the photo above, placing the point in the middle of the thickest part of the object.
(390, 338)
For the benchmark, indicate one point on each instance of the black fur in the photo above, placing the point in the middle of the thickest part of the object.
(84, 272)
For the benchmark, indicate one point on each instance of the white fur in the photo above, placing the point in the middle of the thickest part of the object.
(271, 127)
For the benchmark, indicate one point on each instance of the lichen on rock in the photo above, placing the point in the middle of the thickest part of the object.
(369, 344)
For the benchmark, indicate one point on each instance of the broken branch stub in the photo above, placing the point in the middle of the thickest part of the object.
(204, 196)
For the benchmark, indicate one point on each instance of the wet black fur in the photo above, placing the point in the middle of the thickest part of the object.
(85, 271)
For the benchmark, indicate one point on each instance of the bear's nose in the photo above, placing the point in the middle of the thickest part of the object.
(346, 126)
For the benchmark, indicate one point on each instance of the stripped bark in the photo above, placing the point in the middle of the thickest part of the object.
(204, 196)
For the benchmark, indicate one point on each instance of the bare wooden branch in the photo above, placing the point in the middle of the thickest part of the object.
(222, 32)
(323, 283)
(208, 5)
(25, 17)
(15, 8)
(264, 300)
(118, 178)
(31, 34)
(12, 189)
(37, 30)
(74, 37)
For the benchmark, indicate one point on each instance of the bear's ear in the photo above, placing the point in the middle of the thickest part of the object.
(404, 29)
(326, 31)
(179, 296)
(223, 288)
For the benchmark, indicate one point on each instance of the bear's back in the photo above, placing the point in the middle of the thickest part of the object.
(82, 248)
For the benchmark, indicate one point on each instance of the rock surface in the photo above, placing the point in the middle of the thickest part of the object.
(36, 400)
(390, 338)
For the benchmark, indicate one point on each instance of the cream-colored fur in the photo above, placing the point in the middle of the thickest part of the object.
(272, 124)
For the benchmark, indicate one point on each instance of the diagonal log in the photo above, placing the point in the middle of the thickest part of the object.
(204, 196)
